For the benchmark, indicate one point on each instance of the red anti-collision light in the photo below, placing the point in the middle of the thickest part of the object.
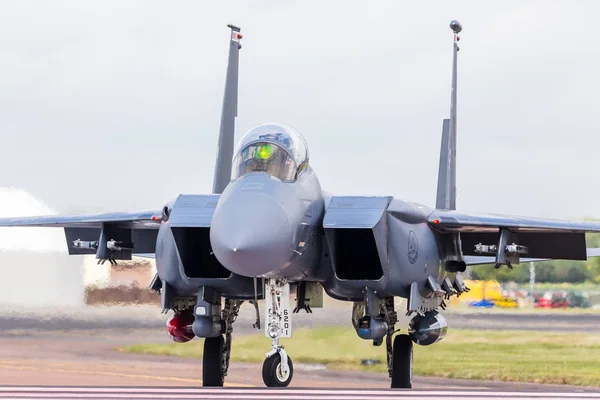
(239, 35)
(155, 218)
(436, 221)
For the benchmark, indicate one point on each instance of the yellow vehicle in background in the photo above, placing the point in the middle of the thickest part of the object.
(485, 290)
(479, 290)
(506, 302)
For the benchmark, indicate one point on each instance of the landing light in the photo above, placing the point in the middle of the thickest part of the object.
(273, 331)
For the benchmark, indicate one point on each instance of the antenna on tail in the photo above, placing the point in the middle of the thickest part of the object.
(446, 190)
(222, 175)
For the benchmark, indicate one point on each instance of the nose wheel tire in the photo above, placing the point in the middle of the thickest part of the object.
(402, 362)
(272, 374)
(212, 362)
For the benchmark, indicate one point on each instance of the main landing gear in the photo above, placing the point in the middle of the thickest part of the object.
(400, 352)
(213, 373)
(217, 350)
(402, 362)
(375, 318)
(278, 368)
(425, 329)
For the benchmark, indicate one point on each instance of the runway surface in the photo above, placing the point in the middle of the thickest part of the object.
(72, 355)
(301, 394)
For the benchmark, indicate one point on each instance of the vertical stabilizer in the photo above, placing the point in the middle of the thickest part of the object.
(222, 175)
(446, 190)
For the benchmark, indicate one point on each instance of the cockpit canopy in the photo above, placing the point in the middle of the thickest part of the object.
(276, 149)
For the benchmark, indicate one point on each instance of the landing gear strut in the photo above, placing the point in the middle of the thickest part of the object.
(217, 350)
(278, 368)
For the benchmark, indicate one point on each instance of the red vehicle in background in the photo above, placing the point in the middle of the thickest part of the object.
(542, 303)
(551, 300)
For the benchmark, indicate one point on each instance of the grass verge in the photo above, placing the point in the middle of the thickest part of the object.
(519, 356)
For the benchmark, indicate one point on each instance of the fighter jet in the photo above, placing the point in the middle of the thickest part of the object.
(268, 231)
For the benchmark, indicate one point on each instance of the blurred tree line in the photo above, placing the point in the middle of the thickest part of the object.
(546, 271)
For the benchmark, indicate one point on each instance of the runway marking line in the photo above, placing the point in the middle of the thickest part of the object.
(249, 394)
(50, 390)
(117, 374)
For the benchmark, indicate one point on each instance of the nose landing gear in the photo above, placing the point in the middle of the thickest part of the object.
(278, 368)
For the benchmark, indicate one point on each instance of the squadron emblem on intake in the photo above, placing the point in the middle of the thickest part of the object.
(413, 247)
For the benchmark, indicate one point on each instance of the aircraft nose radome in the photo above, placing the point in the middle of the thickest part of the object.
(251, 234)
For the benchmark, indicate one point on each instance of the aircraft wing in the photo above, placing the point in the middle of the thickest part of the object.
(457, 221)
(134, 220)
(90, 233)
(543, 239)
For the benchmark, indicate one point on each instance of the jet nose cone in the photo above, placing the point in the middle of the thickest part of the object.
(251, 234)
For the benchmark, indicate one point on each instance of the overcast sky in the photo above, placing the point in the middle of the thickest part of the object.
(114, 105)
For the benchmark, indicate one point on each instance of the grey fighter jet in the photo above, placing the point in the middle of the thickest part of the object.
(268, 230)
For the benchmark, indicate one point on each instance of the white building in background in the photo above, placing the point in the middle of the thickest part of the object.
(35, 267)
